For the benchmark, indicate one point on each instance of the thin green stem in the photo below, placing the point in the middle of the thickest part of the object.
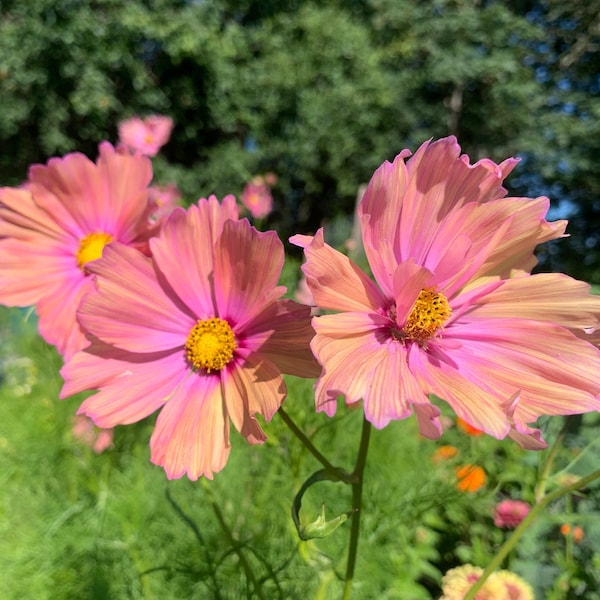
(511, 542)
(340, 473)
(234, 543)
(540, 488)
(357, 487)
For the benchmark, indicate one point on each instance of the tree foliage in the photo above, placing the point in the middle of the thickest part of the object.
(319, 93)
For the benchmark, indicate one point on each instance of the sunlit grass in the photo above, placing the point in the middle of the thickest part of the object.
(75, 524)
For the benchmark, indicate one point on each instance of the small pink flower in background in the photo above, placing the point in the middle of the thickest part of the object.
(509, 513)
(454, 312)
(198, 329)
(60, 221)
(257, 198)
(163, 199)
(87, 433)
(147, 135)
(500, 585)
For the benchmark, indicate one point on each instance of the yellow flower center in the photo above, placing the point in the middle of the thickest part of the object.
(91, 246)
(210, 344)
(430, 311)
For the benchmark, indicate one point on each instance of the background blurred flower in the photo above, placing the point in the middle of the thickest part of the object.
(576, 532)
(470, 478)
(147, 135)
(509, 513)
(55, 226)
(454, 312)
(198, 329)
(257, 198)
(163, 199)
(500, 585)
(468, 429)
(87, 433)
(444, 452)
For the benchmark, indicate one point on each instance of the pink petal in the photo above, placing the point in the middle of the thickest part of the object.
(21, 217)
(185, 248)
(56, 312)
(282, 332)
(442, 375)
(336, 282)
(544, 297)
(247, 266)
(191, 436)
(26, 276)
(131, 309)
(252, 385)
(350, 347)
(554, 371)
(131, 386)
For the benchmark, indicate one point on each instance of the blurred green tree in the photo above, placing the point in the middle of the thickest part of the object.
(319, 93)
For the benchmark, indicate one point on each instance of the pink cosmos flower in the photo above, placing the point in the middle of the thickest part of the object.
(87, 433)
(61, 220)
(257, 198)
(147, 135)
(509, 513)
(163, 199)
(198, 329)
(454, 312)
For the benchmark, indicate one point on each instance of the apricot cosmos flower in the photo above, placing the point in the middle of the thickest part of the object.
(198, 329)
(146, 136)
(60, 221)
(455, 312)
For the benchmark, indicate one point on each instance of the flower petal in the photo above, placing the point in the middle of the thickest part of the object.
(131, 386)
(191, 435)
(252, 386)
(336, 282)
(282, 332)
(131, 309)
(241, 253)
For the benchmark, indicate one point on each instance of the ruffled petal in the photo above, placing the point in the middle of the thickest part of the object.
(253, 386)
(247, 266)
(57, 315)
(131, 308)
(191, 435)
(282, 332)
(543, 297)
(131, 386)
(336, 282)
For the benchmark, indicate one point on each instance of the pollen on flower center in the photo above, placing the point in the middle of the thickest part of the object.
(210, 344)
(91, 246)
(430, 311)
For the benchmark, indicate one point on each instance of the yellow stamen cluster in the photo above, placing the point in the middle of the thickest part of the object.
(91, 247)
(210, 344)
(430, 311)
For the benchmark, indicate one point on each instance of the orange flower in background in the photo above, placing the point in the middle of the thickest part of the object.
(468, 429)
(445, 452)
(470, 478)
(576, 532)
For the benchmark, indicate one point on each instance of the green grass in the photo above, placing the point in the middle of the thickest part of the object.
(74, 524)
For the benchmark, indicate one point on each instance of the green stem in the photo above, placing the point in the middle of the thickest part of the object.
(511, 542)
(234, 543)
(339, 473)
(540, 488)
(357, 487)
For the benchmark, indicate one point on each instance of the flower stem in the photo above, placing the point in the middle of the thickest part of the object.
(357, 486)
(234, 543)
(342, 475)
(511, 542)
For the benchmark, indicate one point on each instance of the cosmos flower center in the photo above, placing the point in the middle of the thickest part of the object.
(210, 344)
(430, 311)
(91, 246)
